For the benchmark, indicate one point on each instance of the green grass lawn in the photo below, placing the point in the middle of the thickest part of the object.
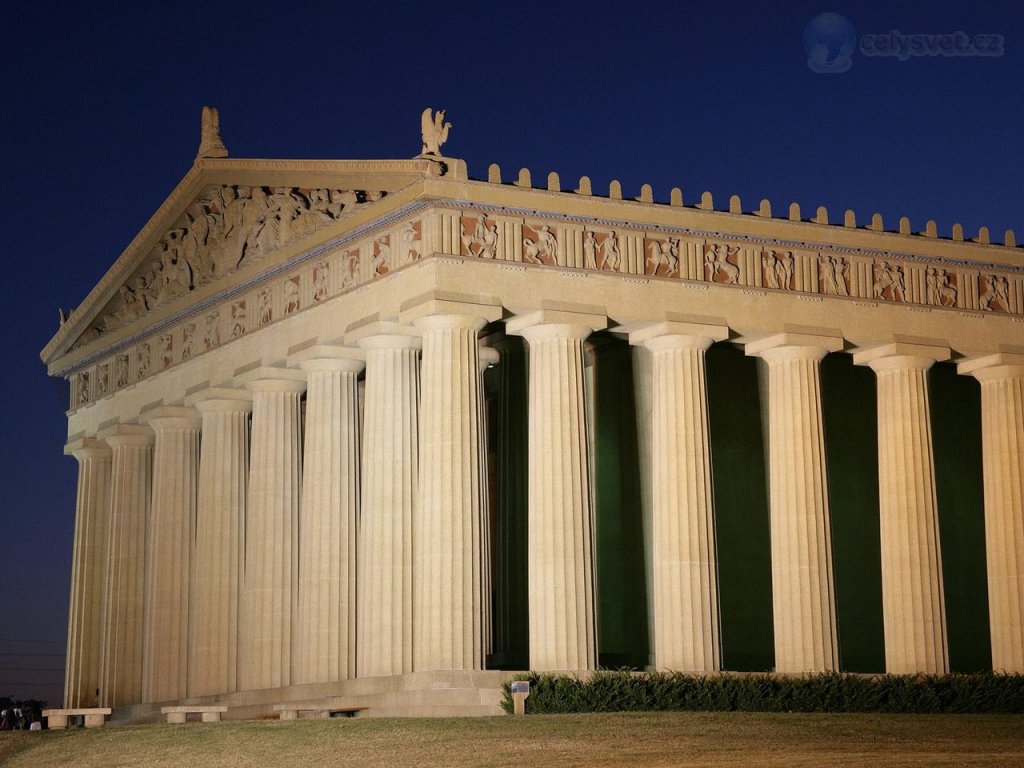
(650, 739)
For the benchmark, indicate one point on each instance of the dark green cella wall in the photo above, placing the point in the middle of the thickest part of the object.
(618, 511)
(739, 487)
(955, 407)
(741, 510)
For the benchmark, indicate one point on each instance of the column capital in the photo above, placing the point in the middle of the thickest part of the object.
(216, 399)
(793, 345)
(269, 379)
(128, 434)
(171, 417)
(87, 448)
(458, 311)
(672, 334)
(373, 333)
(329, 357)
(901, 356)
(999, 365)
(554, 323)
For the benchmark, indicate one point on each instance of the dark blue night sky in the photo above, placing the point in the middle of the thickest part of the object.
(101, 105)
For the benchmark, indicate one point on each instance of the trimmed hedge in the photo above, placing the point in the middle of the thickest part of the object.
(623, 691)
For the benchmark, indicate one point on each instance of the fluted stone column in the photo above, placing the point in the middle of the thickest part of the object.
(216, 583)
(85, 614)
(684, 576)
(561, 547)
(448, 562)
(130, 495)
(389, 469)
(270, 570)
(169, 540)
(328, 517)
(803, 587)
(913, 610)
(1002, 435)
(488, 356)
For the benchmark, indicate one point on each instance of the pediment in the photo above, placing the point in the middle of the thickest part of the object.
(225, 218)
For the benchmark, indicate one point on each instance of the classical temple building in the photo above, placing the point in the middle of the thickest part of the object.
(380, 430)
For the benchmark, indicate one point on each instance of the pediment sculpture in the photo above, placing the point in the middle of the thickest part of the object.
(227, 228)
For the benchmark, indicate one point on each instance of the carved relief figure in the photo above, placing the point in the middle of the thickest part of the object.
(188, 337)
(166, 350)
(434, 131)
(291, 295)
(320, 273)
(770, 273)
(351, 263)
(121, 371)
(101, 380)
(175, 273)
(608, 253)
(939, 288)
(381, 263)
(589, 250)
(542, 247)
(664, 254)
(409, 235)
(889, 282)
(833, 275)
(482, 241)
(309, 214)
(264, 307)
(83, 388)
(718, 268)
(142, 361)
(237, 318)
(995, 293)
(212, 338)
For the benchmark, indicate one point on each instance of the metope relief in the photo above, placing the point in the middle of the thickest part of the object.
(142, 361)
(84, 393)
(380, 263)
(410, 238)
(321, 274)
(212, 336)
(101, 380)
(291, 295)
(350, 268)
(940, 287)
(777, 269)
(188, 340)
(540, 245)
(720, 263)
(264, 306)
(166, 346)
(889, 282)
(237, 318)
(479, 237)
(833, 275)
(601, 251)
(993, 293)
(227, 228)
(121, 371)
(662, 257)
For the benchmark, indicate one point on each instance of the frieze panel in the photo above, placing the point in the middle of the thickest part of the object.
(777, 269)
(696, 262)
(833, 275)
(720, 263)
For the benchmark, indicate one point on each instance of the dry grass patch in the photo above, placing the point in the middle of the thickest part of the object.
(650, 739)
